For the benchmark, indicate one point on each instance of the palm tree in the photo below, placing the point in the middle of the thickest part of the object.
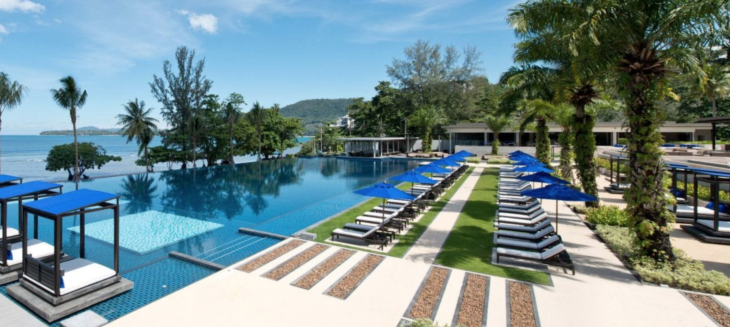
(11, 94)
(563, 116)
(256, 116)
(712, 84)
(426, 118)
(71, 98)
(198, 127)
(231, 114)
(538, 111)
(640, 40)
(497, 124)
(137, 124)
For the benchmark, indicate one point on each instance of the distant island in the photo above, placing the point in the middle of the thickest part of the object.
(316, 111)
(85, 131)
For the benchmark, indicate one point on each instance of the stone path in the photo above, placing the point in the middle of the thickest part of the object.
(13, 315)
(428, 246)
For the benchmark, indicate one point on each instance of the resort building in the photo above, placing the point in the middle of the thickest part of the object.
(374, 147)
(344, 122)
(607, 134)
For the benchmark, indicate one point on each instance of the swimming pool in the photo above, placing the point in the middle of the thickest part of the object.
(279, 196)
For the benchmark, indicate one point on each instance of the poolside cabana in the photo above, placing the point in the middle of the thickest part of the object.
(374, 147)
(11, 259)
(62, 285)
(7, 180)
(680, 195)
(615, 185)
(710, 223)
(715, 121)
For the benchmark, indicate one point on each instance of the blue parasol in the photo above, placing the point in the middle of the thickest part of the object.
(385, 191)
(446, 162)
(464, 153)
(456, 158)
(431, 168)
(413, 177)
(518, 152)
(534, 168)
(559, 192)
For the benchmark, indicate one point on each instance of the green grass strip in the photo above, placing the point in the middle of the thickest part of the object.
(406, 241)
(469, 245)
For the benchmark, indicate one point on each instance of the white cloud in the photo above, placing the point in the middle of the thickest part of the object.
(183, 12)
(205, 22)
(21, 5)
(3, 30)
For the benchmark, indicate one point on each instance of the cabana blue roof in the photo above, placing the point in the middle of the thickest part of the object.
(8, 178)
(26, 189)
(710, 172)
(71, 201)
(677, 166)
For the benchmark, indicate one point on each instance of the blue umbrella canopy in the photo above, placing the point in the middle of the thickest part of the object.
(518, 152)
(528, 163)
(542, 177)
(431, 168)
(446, 162)
(413, 177)
(464, 153)
(456, 158)
(559, 192)
(385, 191)
(534, 168)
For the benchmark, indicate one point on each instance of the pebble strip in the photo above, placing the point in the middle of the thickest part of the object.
(323, 269)
(270, 256)
(711, 307)
(471, 311)
(296, 262)
(520, 305)
(348, 283)
(425, 304)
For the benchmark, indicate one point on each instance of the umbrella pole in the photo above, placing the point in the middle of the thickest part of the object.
(383, 210)
(556, 216)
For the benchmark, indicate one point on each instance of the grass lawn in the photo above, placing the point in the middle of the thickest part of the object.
(405, 241)
(469, 245)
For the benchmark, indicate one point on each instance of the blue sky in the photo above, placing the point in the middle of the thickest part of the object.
(272, 51)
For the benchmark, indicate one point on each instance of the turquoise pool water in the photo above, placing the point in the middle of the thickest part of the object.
(198, 212)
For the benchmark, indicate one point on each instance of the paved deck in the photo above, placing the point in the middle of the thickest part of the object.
(13, 315)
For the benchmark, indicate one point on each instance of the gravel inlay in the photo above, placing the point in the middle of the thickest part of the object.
(347, 284)
(471, 310)
(520, 305)
(323, 269)
(711, 307)
(296, 262)
(425, 304)
(270, 256)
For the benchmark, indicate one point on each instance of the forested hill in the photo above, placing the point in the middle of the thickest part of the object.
(316, 111)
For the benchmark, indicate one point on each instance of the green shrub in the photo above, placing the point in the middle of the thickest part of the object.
(580, 208)
(496, 161)
(623, 141)
(608, 215)
(474, 160)
(605, 163)
(426, 323)
(684, 273)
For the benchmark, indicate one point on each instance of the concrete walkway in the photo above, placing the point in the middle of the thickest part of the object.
(13, 315)
(427, 248)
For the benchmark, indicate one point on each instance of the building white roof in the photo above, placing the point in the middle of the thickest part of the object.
(372, 139)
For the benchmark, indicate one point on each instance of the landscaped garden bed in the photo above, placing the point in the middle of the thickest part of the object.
(354, 277)
(711, 307)
(521, 307)
(315, 275)
(296, 262)
(472, 308)
(270, 256)
(425, 304)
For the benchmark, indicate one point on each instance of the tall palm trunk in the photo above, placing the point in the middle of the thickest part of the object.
(584, 142)
(195, 153)
(146, 159)
(542, 142)
(495, 144)
(566, 171)
(76, 145)
(230, 143)
(645, 198)
(714, 107)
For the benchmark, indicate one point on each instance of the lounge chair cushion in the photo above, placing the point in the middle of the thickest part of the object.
(532, 215)
(527, 222)
(516, 243)
(523, 228)
(526, 235)
(11, 232)
(38, 249)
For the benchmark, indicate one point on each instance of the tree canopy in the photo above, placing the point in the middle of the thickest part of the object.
(61, 157)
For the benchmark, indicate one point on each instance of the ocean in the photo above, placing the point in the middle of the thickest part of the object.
(25, 156)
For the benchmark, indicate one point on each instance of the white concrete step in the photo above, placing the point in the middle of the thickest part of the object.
(450, 298)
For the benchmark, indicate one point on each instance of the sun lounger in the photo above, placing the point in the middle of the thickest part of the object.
(514, 199)
(525, 210)
(12, 232)
(521, 221)
(366, 228)
(370, 237)
(524, 235)
(556, 256)
(522, 228)
(380, 214)
(531, 215)
(37, 249)
(537, 245)
(722, 226)
(515, 205)
(387, 222)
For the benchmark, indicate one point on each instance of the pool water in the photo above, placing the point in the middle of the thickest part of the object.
(198, 212)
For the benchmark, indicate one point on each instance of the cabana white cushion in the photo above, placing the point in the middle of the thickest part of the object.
(723, 226)
(11, 232)
(36, 248)
(79, 273)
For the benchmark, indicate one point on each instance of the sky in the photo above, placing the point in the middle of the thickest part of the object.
(271, 51)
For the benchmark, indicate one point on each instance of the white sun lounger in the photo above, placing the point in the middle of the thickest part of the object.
(36, 248)
(520, 221)
(523, 228)
(549, 256)
(516, 199)
(723, 226)
(525, 210)
(531, 215)
(528, 236)
(527, 244)
(366, 236)
(380, 214)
